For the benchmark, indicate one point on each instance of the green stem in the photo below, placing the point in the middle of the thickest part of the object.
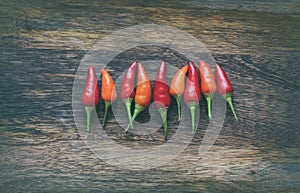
(228, 98)
(138, 109)
(88, 110)
(127, 103)
(178, 98)
(208, 100)
(163, 113)
(192, 106)
(107, 105)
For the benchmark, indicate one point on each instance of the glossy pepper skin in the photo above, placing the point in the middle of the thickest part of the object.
(127, 88)
(192, 95)
(208, 84)
(108, 92)
(177, 87)
(161, 96)
(90, 94)
(225, 88)
(143, 93)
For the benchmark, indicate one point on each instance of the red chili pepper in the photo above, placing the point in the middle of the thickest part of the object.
(177, 87)
(161, 96)
(208, 84)
(127, 88)
(192, 95)
(90, 95)
(143, 93)
(108, 92)
(225, 88)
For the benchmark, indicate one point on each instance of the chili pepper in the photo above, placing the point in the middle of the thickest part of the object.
(127, 88)
(108, 92)
(225, 88)
(161, 96)
(90, 95)
(192, 95)
(143, 93)
(208, 84)
(177, 87)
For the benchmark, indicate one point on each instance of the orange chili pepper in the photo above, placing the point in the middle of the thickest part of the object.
(108, 92)
(143, 93)
(177, 87)
(208, 84)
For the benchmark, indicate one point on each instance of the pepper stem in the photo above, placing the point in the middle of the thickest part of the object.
(228, 98)
(88, 110)
(163, 113)
(208, 100)
(192, 106)
(138, 109)
(127, 103)
(178, 98)
(107, 105)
